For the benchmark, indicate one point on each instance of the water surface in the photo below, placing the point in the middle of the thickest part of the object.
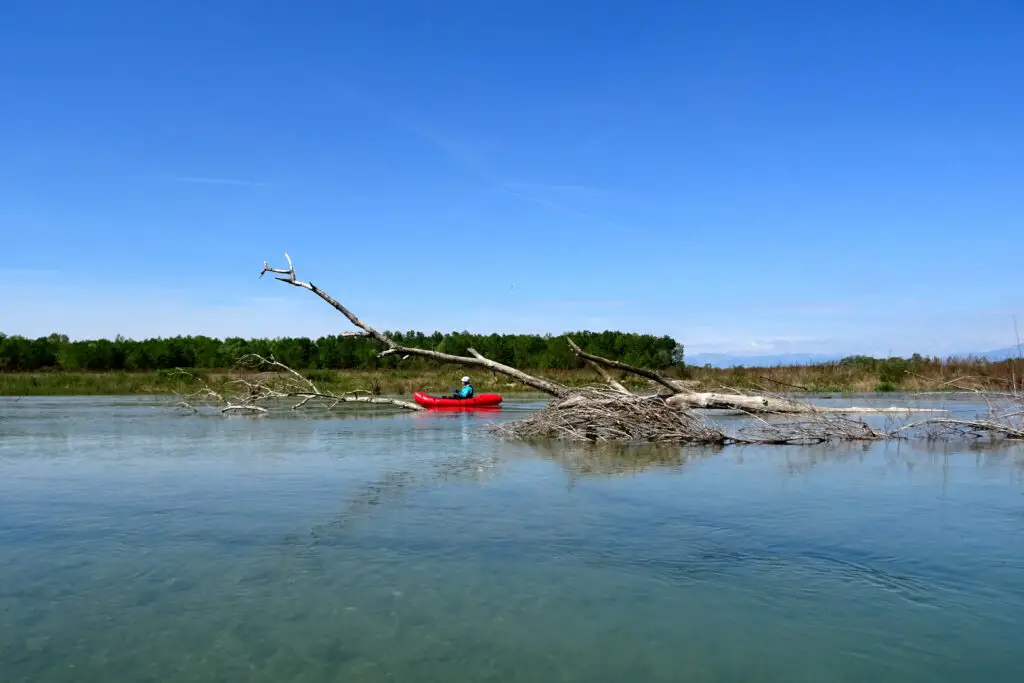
(140, 544)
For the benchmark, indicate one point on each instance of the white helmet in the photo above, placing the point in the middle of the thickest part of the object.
(465, 380)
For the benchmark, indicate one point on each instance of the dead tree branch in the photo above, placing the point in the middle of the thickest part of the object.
(598, 368)
(624, 367)
(392, 348)
(1004, 419)
(763, 403)
(278, 381)
(274, 384)
(974, 428)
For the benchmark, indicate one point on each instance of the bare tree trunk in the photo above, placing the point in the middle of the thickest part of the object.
(624, 367)
(681, 398)
(772, 404)
(596, 367)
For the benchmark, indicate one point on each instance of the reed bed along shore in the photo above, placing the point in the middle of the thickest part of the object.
(856, 376)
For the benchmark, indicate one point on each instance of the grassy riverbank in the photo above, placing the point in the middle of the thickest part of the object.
(860, 374)
(865, 375)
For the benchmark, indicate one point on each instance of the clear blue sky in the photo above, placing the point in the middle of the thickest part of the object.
(744, 175)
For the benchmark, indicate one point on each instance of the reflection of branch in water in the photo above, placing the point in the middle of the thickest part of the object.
(395, 485)
(614, 459)
(579, 460)
(583, 460)
(803, 459)
(916, 457)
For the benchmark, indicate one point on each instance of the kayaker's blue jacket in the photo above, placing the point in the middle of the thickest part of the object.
(466, 391)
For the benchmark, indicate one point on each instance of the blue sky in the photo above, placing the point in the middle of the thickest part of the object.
(745, 176)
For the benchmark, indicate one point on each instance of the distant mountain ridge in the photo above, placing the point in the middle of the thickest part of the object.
(727, 360)
(995, 354)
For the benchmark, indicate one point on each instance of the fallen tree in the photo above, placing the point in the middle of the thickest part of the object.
(678, 395)
(613, 413)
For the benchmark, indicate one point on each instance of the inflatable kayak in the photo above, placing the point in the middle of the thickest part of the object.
(478, 401)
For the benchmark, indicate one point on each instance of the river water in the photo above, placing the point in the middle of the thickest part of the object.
(143, 544)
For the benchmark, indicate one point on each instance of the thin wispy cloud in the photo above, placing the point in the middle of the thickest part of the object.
(784, 342)
(547, 203)
(582, 190)
(585, 303)
(538, 193)
(451, 149)
(208, 180)
(599, 139)
(16, 274)
(469, 158)
(568, 211)
(822, 308)
(763, 345)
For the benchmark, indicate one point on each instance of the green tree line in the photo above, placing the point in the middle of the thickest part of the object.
(533, 352)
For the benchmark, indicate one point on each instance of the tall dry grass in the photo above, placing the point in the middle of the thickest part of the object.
(859, 375)
(866, 375)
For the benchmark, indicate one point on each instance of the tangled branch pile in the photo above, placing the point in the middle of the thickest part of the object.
(1004, 417)
(609, 415)
(821, 428)
(274, 384)
(601, 415)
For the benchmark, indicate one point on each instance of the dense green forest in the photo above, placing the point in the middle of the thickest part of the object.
(57, 352)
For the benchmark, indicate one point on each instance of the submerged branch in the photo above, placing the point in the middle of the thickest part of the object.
(974, 428)
(1005, 419)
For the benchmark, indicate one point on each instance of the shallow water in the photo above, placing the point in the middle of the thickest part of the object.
(138, 544)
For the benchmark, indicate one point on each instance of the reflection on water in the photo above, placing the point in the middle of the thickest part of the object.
(608, 459)
(140, 546)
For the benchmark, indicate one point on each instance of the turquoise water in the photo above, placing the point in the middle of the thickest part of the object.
(138, 544)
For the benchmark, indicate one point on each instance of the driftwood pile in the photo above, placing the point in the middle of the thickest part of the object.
(601, 415)
(597, 414)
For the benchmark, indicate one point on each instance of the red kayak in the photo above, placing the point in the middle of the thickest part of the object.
(478, 401)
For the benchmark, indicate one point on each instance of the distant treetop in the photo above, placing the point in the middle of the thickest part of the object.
(535, 352)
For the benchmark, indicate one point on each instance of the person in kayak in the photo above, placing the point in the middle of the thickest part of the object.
(466, 391)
